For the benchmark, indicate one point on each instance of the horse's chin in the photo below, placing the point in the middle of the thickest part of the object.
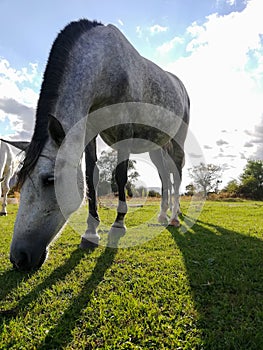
(42, 258)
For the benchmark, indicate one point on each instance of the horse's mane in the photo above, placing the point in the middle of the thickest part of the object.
(53, 76)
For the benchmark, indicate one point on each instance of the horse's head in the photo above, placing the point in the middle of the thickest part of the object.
(39, 217)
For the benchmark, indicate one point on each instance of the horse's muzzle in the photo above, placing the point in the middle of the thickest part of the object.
(23, 261)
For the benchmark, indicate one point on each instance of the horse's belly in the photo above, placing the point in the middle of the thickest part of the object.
(134, 138)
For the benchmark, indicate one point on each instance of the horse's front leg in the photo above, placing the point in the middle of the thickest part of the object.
(91, 238)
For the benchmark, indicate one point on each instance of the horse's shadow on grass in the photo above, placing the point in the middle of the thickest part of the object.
(70, 316)
(10, 280)
(16, 277)
(61, 335)
(225, 271)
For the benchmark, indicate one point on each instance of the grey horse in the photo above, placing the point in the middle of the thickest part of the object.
(96, 80)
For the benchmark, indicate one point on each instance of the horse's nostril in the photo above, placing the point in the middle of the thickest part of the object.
(21, 262)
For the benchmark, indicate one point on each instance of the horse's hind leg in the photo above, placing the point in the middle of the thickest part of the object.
(91, 238)
(177, 158)
(158, 161)
(5, 190)
(121, 179)
(2, 179)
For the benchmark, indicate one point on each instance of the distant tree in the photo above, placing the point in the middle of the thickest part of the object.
(153, 193)
(232, 188)
(190, 190)
(206, 177)
(141, 191)
(107, 165)
(251, 180)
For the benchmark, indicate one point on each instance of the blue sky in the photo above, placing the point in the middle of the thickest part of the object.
(214, 46)
(30, 27)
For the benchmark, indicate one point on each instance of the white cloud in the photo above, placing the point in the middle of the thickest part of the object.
(225, 91)
(249, 144)
(169, 45)
(231, 2)
(215, 71)
(139, 31)
(120, 22)
(156, 29)
(26, 74)
(20, 116)
(195, 30)
(14, 83)
(228, 37)
(221, 142)
(257, 139)
(18, 96)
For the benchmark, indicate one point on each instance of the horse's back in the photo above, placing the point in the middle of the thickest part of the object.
(135, 78)
(129, 77)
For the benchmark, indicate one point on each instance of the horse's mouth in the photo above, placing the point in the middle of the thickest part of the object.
(24, 262)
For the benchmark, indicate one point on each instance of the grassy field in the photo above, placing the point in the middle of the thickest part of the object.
(200, 288)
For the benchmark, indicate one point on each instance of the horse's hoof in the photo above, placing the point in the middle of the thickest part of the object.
(118, 225)
(115, 235)
(3, 213)
(163, 220)
(174, 223)
(88, 244)
(120, 231)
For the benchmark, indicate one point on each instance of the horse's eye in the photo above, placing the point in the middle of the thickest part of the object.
(48, 180)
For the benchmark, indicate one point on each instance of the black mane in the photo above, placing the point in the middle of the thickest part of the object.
(49, 90)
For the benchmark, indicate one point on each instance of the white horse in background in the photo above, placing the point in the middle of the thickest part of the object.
(8, 165)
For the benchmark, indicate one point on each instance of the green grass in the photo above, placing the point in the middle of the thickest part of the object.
(202, 289)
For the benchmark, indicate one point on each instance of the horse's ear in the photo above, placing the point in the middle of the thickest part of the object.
(55, 129)
(22, 145)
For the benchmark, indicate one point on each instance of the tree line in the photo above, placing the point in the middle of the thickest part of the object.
(207, 177)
